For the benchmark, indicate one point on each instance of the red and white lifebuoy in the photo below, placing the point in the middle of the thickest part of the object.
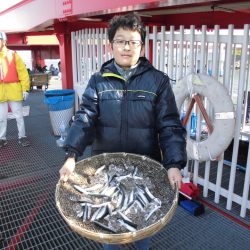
(224, 115)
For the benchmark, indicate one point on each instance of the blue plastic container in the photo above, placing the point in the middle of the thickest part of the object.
(193, 124)
(59, 99)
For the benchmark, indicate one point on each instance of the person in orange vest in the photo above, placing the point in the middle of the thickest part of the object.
(14, 87)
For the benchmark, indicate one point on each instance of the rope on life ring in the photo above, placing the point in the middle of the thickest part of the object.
(224, 119)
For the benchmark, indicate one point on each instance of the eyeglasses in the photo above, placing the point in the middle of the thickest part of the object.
(132, 43)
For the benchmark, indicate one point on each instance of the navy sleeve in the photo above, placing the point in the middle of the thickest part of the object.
(172, 135)
(82, 130)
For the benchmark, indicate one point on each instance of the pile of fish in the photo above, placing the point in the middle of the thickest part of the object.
(117, 199)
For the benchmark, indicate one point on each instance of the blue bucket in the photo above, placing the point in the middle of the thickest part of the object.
(59, 99)
(193, 124)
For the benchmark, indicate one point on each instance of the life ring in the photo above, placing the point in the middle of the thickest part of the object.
(224, 120)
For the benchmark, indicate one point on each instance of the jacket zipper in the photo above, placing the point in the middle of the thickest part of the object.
(124, 124)
(126, 115)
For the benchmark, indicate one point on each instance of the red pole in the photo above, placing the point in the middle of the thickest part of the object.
(66, 60)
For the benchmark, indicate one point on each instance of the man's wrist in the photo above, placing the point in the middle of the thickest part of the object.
(174, 166)
(71, 154)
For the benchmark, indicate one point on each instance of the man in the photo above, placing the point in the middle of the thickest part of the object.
(14, 87)
(128, 106)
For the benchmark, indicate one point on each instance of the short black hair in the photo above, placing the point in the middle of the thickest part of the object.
(131, 21)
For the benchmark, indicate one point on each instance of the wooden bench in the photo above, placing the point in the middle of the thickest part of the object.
(39, 80)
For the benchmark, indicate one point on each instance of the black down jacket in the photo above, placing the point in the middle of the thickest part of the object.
(135, 116)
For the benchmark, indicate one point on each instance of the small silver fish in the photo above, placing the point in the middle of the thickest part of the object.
(102, 226)
(100, 169)
(127, 226)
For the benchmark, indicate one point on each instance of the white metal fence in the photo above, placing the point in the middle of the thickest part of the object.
(223, 54)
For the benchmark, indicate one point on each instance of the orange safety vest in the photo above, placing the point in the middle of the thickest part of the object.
(8, 72)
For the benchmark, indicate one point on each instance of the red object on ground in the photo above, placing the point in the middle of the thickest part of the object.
(27, 222)
(190, 189)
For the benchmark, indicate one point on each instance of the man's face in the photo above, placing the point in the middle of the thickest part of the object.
(126, 55)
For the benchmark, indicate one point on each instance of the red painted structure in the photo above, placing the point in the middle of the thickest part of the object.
(60, 17)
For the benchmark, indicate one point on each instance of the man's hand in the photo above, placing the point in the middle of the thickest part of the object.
(25, 96)
(67, 169)
(174, 176)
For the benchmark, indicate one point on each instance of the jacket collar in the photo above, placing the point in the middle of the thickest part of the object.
(109, 67)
